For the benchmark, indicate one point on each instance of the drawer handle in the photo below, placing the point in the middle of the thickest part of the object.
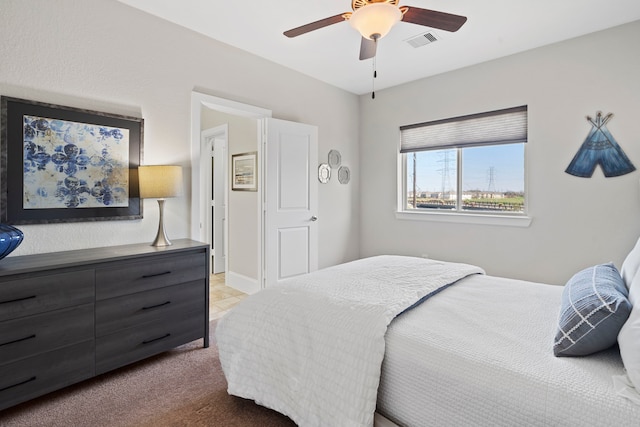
(149, 307)
(18, 384)
(17, 300)
(18, 340)
(146, 276)
(156, 339)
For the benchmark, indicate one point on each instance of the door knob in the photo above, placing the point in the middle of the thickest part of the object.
(314, 218)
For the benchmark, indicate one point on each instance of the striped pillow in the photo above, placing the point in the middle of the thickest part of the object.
(594, 308)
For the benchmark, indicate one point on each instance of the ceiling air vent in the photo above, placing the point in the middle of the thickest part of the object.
(422, 39)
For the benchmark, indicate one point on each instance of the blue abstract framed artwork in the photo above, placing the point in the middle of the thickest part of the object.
(64, 164)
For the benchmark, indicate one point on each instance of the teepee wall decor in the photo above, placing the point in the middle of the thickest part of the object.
(600, 148)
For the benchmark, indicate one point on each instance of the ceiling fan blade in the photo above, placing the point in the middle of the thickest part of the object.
(315, 25)
(367, 48)
(434, 19)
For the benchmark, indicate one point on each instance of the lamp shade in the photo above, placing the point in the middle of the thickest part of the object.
(160, 181)
(375, 20)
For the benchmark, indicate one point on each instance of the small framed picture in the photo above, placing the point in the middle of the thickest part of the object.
(244, 172)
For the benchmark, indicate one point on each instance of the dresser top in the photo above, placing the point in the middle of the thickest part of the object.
(38, 262)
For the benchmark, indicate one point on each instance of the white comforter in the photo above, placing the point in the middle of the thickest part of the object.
(481, 354)
(312, 348)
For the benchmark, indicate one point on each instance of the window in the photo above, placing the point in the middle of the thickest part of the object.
(469, 164)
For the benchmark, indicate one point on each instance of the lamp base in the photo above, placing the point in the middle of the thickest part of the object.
(161, 237)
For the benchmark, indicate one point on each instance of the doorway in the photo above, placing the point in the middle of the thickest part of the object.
(269, 238)
(201, 196)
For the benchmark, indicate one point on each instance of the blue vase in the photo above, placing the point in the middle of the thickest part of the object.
(10, 238)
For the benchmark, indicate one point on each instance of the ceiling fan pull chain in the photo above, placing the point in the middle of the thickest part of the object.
(373, 83)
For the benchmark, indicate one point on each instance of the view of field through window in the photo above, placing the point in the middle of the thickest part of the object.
(492, 179)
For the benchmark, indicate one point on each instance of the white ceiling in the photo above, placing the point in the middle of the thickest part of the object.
(494, 28)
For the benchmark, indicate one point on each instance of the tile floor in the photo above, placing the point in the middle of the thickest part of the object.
(221, 297)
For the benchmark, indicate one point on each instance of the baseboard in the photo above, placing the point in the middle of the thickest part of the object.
(241, 283)
(380, 421)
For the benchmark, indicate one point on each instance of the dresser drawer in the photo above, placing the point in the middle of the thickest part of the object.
(121, 348)
(130, 310)
(35, 376)
(145, 274)
(37, 294)
(27, 336)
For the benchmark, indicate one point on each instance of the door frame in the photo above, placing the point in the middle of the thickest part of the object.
(198, 188)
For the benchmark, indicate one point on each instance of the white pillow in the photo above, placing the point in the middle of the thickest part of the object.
(630, 265)
(629, 336)
(634, 290)
(629, 342)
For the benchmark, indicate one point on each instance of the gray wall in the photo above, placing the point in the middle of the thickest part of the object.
(577, 222)
(106, 56)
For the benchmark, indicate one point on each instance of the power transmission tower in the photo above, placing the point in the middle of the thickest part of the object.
(414, 182)
(491, 178)
(445, 173)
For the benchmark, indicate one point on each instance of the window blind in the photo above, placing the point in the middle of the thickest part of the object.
(506, 126)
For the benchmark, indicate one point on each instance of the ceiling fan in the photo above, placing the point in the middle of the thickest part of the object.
(375, 18)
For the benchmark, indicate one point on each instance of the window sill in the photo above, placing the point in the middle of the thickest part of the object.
(467, 218)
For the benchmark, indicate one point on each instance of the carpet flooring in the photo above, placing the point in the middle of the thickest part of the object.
(181, 387)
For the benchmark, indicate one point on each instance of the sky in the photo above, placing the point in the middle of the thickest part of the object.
(499, 168)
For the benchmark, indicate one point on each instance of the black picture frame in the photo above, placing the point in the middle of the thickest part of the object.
(17, 156)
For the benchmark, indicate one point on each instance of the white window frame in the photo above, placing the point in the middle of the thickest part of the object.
(458, 215)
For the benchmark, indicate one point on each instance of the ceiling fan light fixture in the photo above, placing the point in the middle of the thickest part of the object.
(375, 20)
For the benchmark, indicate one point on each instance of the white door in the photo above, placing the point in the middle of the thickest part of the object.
(290, 200)
(214, 164)
(219, 204)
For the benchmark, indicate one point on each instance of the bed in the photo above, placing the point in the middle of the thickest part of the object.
(414, 342)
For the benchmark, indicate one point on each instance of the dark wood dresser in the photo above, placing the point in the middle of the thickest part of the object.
(68, 316)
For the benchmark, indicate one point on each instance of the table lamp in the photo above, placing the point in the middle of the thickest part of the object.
(160, 182)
